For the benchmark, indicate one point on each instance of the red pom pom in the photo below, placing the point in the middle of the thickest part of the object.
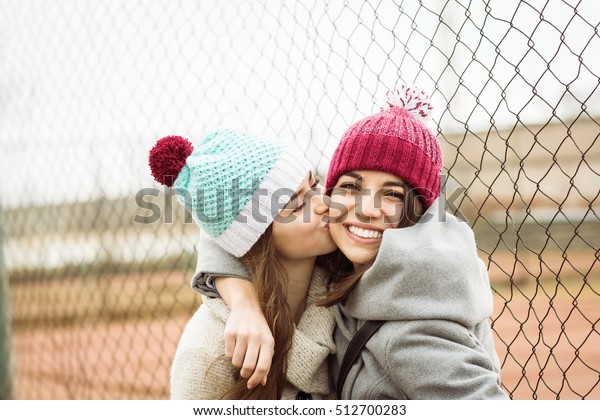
(167, 157)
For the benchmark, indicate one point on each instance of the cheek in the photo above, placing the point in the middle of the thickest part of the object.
(393, 213)
(336, 230)
(282, 231)
(292, 238)
(301, 240)
(339, 207)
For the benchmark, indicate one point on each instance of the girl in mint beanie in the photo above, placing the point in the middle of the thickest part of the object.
(254, 197)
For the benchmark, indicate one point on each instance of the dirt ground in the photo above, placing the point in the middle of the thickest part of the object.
(549, 352)
(548, 343)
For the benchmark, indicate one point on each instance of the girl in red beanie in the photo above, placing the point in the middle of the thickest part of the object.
(407, 271)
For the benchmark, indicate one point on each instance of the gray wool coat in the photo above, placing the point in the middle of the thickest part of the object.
(430, 286)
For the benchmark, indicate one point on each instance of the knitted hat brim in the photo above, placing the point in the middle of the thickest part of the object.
(370, 152)
(257, 215)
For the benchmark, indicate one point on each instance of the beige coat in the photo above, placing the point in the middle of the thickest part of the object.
(201, 371)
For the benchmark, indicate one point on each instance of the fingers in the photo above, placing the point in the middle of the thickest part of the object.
(243, 350)
(238, 352)
(249, 344)
(249, 361)
(263, 366)
(252, 354)
(230, 342)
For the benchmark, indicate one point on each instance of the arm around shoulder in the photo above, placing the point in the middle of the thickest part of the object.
(248, 339)
(214, 261)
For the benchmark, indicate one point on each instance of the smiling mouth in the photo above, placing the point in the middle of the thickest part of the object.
(365, 233)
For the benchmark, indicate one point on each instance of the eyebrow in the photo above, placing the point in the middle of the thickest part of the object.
(385, 184)
(393, 184)
(353, 175)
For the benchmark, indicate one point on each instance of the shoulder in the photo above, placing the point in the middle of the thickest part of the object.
(200, 369)
(208, 320)
(422, 333)
(439, 359)
(438, 344)
(202, 338)
(438, 239)
(200, 375)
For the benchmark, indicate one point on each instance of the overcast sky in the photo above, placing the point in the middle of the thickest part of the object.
(86, 87)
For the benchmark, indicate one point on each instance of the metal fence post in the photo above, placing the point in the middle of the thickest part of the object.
(5, 338)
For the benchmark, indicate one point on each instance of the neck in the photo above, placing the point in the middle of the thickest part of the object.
(299, 274)
(357, 267)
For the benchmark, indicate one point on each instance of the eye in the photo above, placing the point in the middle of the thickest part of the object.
(300, 207)
(349, 186)
(397, 195)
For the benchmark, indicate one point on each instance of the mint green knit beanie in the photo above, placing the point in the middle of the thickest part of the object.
(233, 183)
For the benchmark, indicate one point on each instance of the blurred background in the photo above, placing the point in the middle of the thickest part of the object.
(92, 303)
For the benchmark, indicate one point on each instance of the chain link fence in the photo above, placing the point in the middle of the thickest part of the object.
(92, 304)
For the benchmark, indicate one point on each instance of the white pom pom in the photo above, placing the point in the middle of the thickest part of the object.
(413, 100)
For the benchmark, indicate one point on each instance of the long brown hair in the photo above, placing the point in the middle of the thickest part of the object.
(270, 281)
(344, 279)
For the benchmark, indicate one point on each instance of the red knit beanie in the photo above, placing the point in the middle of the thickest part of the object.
(395, 140)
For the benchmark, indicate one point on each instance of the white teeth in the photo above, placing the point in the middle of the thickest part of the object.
(364, 233)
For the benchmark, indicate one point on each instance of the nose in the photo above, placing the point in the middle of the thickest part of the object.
(367, 208)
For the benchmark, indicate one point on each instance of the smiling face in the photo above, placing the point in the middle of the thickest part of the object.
(300, 230)
(364, 204)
